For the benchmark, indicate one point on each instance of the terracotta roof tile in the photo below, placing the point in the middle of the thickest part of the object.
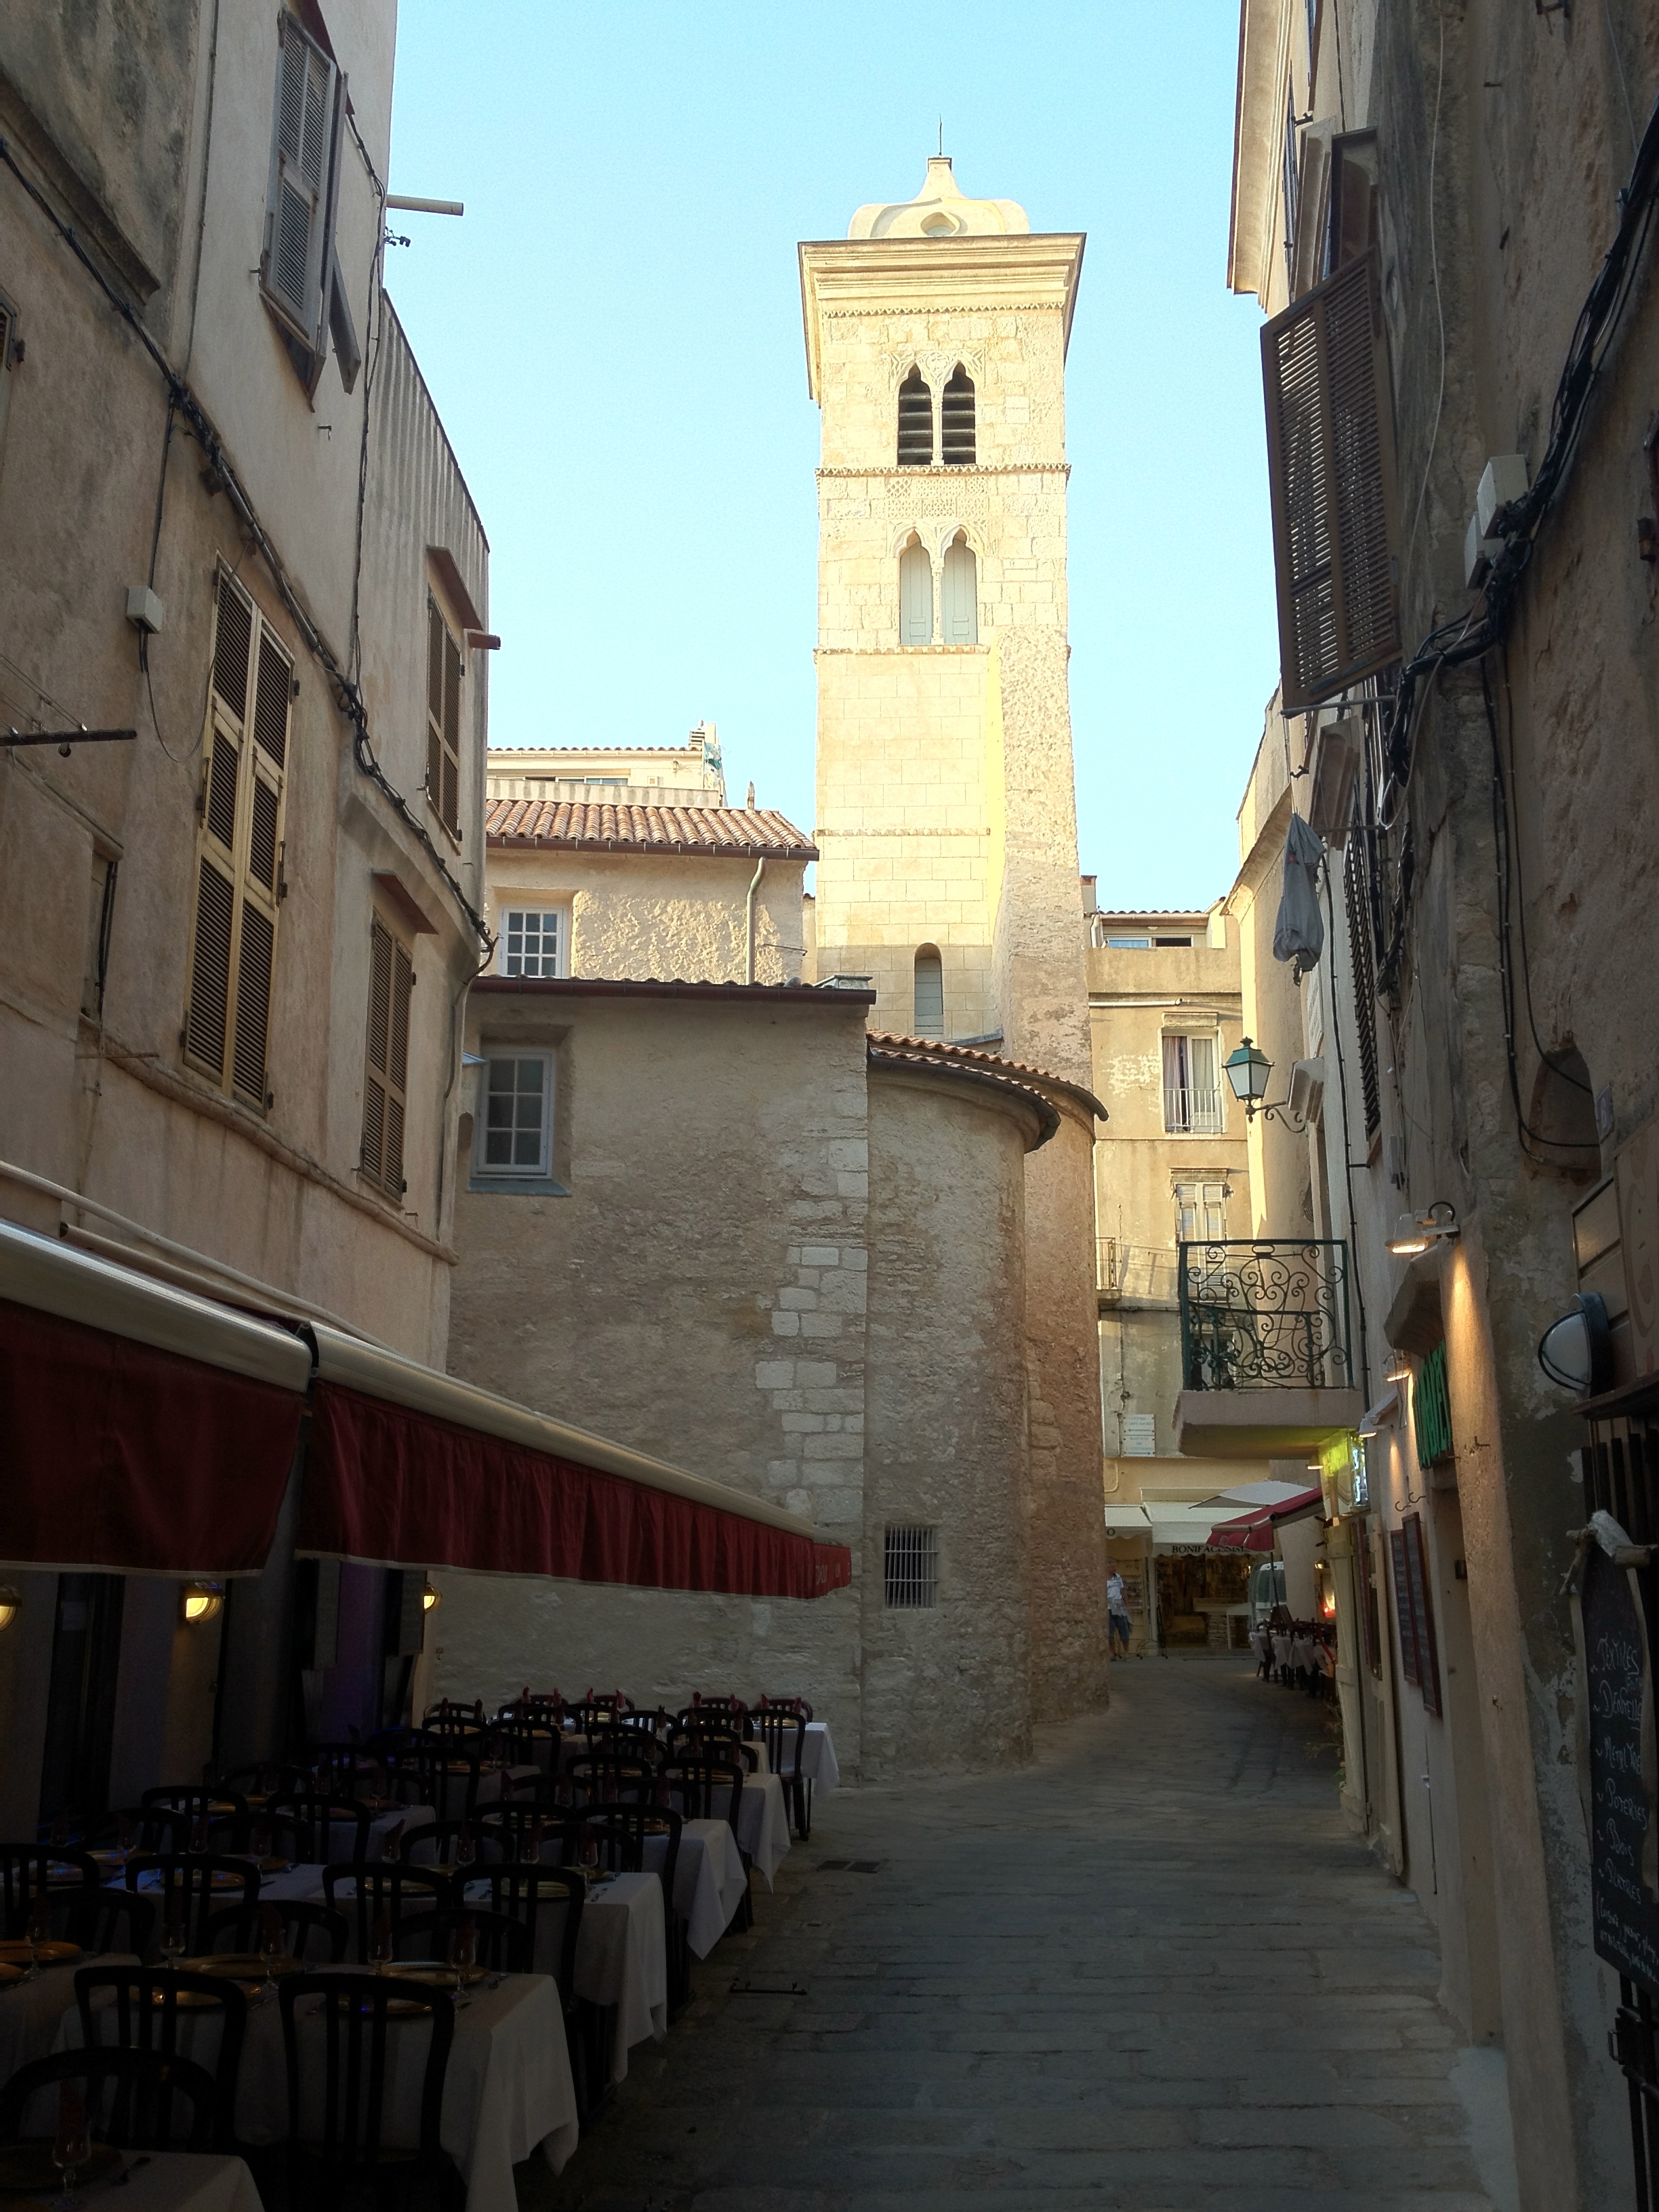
(562, 826)
(967, 1055)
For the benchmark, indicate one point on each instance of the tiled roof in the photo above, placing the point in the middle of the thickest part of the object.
(966, 1055)
(563, 825)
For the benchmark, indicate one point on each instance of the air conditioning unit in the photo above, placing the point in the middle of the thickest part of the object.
(1334, 768)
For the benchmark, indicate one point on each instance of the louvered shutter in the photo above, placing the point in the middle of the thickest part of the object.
(1330, 466)
(915, 597)
(297, 217)
(385, 1081)
(960, 594)
(435, 638)
(450, 808)
(239, 851)
(443, 719)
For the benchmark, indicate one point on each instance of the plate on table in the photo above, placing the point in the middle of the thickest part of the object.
(9, 1974)
(275, 1866)
(27, 2168)
(15, 1953)
(435, 1970)
(111, 1861)
(60, 1875)
(239, 1965)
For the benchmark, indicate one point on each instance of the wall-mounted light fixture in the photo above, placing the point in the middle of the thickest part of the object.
(1398, 1368)
(1415, 1232)
(1249, 1071)
(431, 1598)
(1575, 1351)
(10, 1606)
(199, 1601)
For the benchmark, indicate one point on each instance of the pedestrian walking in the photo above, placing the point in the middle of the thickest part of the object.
(1117, 1616)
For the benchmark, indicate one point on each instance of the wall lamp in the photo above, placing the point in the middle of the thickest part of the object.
(431, 1598)
(1398, 1369)
(1249, 1071)
(200, 1601)
(1415, 1232)
(10, 1606)
(1575, 1352)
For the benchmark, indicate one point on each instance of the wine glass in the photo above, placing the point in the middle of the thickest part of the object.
(463, 1949)
(273, 1947)
(38, 1931)
(71, 2149)
(533, 1846)
(173, 1938)
(380, 1947)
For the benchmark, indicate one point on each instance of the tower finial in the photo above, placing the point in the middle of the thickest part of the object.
(941, 138)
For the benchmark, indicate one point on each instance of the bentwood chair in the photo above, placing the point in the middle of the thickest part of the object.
(341, 2037)
(305, 1828)
(102, 1920)
(609, 1778)
(25, 1869)
(520, 1831)
(128, 2097)
(408, 1895)
(139, 2008)
(194, 1805)
(191, 1883)
(784, 1735)
(501, 1943)
(309, 1931)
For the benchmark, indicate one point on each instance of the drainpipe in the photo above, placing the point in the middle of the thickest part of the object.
(748, 919)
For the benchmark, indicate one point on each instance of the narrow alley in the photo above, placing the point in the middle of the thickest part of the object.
(1150, 1970)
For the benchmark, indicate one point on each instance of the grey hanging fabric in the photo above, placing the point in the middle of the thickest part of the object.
(1299, 931)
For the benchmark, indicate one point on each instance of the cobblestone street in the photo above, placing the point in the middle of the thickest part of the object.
(1152, 1970)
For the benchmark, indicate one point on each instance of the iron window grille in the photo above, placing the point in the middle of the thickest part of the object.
(910, 1568)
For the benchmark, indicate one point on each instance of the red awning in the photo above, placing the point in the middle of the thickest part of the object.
(1253, 1532)
(121, 1449)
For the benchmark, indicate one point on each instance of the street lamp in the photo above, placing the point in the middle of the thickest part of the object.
(1415, 1232)
(1248, 1071)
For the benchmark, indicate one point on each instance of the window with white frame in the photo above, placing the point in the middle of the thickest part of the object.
(910, 1568)
(1192, 1094)
(515, 1122)
(1200, 1212)
(532, 941)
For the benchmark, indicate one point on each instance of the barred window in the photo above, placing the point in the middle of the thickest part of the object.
(911, 1563)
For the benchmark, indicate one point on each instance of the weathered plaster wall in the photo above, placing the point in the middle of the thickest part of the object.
(670, 915)
(947, 1687)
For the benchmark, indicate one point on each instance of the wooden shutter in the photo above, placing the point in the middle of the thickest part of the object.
(915, 597)
(1422, 1608)
(299, 201)
(386, 1082)
(443, 719)
(238, 878)
(1330, 466)
(961, 594)
(957, 421)
(1404, 1615)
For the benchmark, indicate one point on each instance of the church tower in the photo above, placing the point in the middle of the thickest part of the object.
(936, 336)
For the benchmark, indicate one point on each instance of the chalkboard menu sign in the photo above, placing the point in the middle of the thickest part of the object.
(1625, 1911)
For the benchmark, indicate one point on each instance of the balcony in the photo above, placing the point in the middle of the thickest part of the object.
(1191, 1110)
(1266, 1364)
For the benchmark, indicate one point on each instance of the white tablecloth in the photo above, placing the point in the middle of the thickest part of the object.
(621, 1960)
(507, 2090)
(709, 1879)
(31, 2013)
(763, 1822)
(160, 2181)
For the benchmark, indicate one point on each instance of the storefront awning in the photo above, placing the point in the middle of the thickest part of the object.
(146, 1430)
(1253, 1532)
(141, 1429)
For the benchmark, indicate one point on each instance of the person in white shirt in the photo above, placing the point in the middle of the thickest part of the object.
(1117, 1616)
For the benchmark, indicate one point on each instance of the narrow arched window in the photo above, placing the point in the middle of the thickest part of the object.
(929, 1017)
(957, 421)
(915, 424)
(961, 593)
(915, 595)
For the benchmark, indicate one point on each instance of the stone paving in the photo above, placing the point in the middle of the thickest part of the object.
(1152, 1971)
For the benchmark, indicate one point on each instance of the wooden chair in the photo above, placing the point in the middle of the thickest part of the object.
(438, 1845)
(731, 1715)
(409, 1895)
(193, 1804)
(698, 1784)
(445, 1770)
(188, 1890)
(351, 2016)
(621, 1835)
(609, 1778)
(590, 1712)
(142, 2013)
(501, 1942)
(25, 1869)
(714, 1743)
(242, 1928)
(766, 1705)
(784, 1735)
(128, 2096)
(302, 1827)
(521, 1890)
(512, 1829)
(113, 1920)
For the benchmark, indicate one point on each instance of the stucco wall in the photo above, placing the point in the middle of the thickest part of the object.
(947, 1687)
(668, 914)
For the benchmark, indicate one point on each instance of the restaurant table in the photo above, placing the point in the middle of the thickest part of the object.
(763, 1822)
(507, 2091)
(31, 2013)
(709, 1881)
(152, 2181)
(621, 1960)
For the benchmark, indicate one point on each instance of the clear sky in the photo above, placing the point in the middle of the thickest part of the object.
(613, 335)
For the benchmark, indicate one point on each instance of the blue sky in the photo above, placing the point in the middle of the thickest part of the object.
(613, 335)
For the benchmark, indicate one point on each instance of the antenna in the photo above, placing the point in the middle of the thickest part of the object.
(941, 138)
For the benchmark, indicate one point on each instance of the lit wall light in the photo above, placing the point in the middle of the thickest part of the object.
(431, 1599)
(199, 1602)
(1415, 1232)
(1398, 1369)
(10, 1606)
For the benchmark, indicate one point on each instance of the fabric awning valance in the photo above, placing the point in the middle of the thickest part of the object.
(145, 1430)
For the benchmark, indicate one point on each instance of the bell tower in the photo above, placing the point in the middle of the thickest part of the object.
(936, 337)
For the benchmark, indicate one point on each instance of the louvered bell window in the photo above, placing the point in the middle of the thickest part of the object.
(385, 1080)
(959, 593)
(916, 423)
(443, 720)
(915, 595)
(929, 1004)
(1330, 456)
(298, 270)
(238, 850)
(957, 421)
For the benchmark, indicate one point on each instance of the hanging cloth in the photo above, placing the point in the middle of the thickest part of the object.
(1299, 931)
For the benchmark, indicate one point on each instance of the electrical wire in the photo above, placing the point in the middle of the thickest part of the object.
(222, 476)
(1439, 310)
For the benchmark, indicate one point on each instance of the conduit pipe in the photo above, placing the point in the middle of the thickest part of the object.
(749, 919)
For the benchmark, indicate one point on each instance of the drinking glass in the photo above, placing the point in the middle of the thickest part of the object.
(71, 2151)
(380, 1946)
(174, 1939)
(273, 1947)
(463, 1949)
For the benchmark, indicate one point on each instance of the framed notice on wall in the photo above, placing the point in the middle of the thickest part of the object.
(1417, 1583)
(1624, 1826)
(1402, 1606)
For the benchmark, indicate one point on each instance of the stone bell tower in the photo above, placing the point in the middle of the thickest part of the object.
(936, 336)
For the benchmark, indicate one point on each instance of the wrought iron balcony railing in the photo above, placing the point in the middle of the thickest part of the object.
(1265, 1315)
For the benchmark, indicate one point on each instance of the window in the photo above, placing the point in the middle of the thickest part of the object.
(1330, 470)
(1420, 1659)
(916, 423)
(1192, 1096)
(915, 595)
(101, 920)
(532, 941)
(957, 421)
(299, 269)
(960, 593)
(386, 1082)
(1200, 1212)
(910, 1568)
(239, 849)
(1129, 944)
(515, 1125)
(929, 1010)
(443, 720)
